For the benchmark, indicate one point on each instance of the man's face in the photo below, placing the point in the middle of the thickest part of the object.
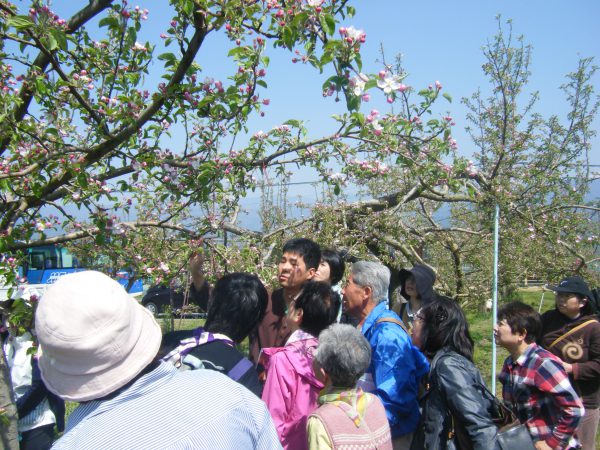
(293, 272)
(354, 297)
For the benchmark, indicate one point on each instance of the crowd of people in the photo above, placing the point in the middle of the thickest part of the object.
(328, 367)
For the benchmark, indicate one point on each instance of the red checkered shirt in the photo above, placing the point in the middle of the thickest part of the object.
(538, 388)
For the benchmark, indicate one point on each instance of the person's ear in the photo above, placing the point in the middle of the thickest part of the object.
(297, 315)
(310, 273)
(368, 290)
(322, 376)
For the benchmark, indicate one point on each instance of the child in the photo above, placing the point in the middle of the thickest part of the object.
(534, 381)
(291, 388)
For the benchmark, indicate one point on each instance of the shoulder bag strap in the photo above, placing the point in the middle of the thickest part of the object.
(392, 320)
(571, 331)
(240, 369)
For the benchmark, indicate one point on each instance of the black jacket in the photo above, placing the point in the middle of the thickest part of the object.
(36, 394)
(455, 391)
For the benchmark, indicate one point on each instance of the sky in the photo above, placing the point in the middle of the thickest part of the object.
(438, 41)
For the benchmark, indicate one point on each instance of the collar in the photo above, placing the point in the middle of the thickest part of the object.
(374, 315)
(352, 401)
(149, 381)
(521, 360)
(299, 335)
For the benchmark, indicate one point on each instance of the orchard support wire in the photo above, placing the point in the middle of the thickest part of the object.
(495, 296)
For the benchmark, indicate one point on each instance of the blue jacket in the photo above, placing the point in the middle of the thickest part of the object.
(397, 368)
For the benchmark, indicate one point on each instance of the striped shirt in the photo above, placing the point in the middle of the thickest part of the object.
(171, 409)
(538, 388)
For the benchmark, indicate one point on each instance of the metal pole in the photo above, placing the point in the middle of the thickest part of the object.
(495, 296)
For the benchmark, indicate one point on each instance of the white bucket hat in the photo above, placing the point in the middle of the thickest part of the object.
(94, 337)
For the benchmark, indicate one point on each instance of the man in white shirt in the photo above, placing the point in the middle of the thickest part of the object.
(98, 347)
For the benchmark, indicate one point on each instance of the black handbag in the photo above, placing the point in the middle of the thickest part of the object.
(515, 437)
(512, 434)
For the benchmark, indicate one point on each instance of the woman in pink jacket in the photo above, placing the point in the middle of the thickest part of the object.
(291, 390)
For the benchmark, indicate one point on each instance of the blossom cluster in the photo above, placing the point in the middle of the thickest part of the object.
(367, 168)
(43, 13)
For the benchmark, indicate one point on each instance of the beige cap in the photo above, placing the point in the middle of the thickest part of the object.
(94, 337)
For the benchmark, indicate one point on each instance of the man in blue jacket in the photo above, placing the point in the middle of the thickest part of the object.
(397, 367)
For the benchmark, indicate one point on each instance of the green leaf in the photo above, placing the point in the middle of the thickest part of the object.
(327, 23)
(447, 97)
(358, 118)
(370, 84)
(262, 83)
(326, 58)
(336, 189)
(20, 22)
(300, 19)
(288, 37)
(350, 11)
(235, 51)
(358, 60)
(52, 131)
(353, 103)
(50, 43)
(109, 22)
(293, 123)
(59, 37)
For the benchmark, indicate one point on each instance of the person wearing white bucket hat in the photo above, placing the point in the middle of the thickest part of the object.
(99, 346)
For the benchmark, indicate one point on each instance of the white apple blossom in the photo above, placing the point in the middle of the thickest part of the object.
(388, 84)
(355, 34)
(358, 84)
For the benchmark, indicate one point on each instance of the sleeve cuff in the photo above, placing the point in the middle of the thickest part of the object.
(575, 368)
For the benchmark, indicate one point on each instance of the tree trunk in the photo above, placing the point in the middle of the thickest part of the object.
(9, 436)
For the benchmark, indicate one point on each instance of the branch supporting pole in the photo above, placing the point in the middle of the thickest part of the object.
(495, 295)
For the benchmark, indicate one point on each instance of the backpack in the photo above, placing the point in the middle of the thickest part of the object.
(181, 358)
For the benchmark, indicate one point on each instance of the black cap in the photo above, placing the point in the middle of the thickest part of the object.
(572, 285)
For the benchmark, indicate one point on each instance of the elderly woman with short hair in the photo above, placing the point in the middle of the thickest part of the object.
(346, 415)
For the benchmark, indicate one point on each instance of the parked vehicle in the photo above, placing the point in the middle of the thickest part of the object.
(45, 264)
(157, 299)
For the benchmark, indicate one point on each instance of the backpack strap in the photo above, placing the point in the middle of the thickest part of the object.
(240, 369)
(392, 320)
(199, 337)
(571, 331)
